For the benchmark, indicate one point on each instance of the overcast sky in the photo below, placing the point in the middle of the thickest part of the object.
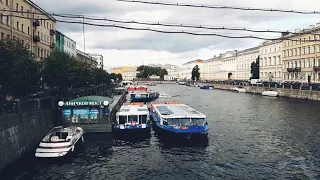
(127, 47)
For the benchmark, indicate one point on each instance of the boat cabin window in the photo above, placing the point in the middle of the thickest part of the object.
(185, 122)
(198, 122)
(143, 119)
(132, 119)
(122, 119)
(173, 122)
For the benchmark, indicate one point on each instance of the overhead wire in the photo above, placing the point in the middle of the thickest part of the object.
(220, 7)
(167, 32)
(163, 24)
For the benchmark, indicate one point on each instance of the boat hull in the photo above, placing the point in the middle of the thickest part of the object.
(270, 93)
(192, 133)
(131, 131)
(57, 149)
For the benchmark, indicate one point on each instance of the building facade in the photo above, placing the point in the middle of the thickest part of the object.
(129, 75)
(69, 46)
(228, 65)
(301, 60)
(30, 24)
(271, 61)
(212, 69)
(59, 41)
(84, 57)
(244, 60)
(186, 68)
(99, 58)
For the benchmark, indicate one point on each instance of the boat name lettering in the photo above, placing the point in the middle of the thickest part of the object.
(82, 103)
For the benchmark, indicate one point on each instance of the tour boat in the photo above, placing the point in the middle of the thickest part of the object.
(132, 117)
(207, 87)
(59, 142)
(179, 120)
(270, 93)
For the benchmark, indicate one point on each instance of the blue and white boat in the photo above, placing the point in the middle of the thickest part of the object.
(142, 94)
(207, 87)
(174, 118)
(132, 117)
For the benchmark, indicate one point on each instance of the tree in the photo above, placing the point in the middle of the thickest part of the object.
(57, 69)
(195, 74)
(146, 71)
(255, 69)
(19, 72)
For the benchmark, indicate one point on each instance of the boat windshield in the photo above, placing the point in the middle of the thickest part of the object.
(173, 122)
(185, 122)
(122, 119)
(198, 122)
(143, 119)
(133, 119)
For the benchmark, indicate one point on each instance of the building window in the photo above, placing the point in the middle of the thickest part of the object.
(21, 9)
(309, 49)
(8, 21)
(2, 35)
(28, 30)
(22, 28)
(17, 25)
(1, 18)
(17, 7)
(28, 13)
(7, 2)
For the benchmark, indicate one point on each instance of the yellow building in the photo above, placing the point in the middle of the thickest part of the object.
(301, 55)
(121, 70)
(127, 72)
(24, 20)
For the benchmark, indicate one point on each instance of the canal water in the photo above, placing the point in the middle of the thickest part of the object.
(250, 137)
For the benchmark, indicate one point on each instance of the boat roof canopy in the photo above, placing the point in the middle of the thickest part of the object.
(133, 109)
(177, 110)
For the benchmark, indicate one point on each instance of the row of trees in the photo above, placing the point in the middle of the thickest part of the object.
(20, 74)
(147, 71)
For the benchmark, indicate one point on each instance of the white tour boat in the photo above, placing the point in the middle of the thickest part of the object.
(59, 142)
(270, 93)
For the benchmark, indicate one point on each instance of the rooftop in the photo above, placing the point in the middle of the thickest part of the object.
(177, 111)
(133, 109)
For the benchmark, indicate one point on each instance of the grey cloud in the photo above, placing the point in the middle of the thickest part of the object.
(166, 42)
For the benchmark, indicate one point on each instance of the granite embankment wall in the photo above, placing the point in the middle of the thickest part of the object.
(20, 133)
(290, 93)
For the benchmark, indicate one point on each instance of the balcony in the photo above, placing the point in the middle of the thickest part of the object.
(52, 32)
(316, 68)
(36, 22)
(52, 45)
(36, 38)
(297, 69)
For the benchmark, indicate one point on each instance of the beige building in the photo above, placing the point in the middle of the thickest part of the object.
(301, 55)
(244, 60)
(187, 67)
(228, 65)
(271, 61)
(30, 24)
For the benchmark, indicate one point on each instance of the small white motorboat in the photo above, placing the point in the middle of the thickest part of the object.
(239, 90)
(270, 93)
(59, 142)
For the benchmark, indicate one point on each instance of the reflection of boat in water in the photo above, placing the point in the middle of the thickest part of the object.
(176, 119)
(132, 117)
(239, 90)
(207, 87)
(270, 93)
(59, 142)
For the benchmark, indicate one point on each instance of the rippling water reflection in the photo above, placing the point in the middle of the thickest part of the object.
(251, 137)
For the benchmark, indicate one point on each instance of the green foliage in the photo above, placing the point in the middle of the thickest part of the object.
(19, 72)
(62, 70)
(255, 69)
(146, 71)
(195, 73)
